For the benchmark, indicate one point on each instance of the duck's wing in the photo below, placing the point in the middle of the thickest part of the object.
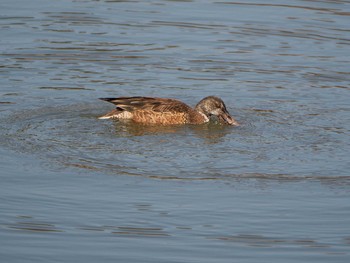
(132, 104)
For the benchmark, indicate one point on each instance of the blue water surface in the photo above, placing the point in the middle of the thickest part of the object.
(78, 189)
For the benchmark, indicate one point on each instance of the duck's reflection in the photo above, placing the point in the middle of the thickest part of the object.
(211, 132)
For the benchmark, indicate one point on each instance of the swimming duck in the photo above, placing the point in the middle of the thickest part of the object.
(168, 111)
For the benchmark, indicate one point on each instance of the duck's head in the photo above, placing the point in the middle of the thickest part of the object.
(215, 106)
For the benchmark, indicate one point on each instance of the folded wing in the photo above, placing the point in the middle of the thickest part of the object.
(132, 104)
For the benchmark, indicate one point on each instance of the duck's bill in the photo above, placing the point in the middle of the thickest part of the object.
(227, 119)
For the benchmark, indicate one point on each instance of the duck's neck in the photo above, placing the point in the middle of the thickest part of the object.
(205, 117)
(202, 116)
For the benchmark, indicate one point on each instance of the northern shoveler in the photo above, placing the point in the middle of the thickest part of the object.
(168, 111)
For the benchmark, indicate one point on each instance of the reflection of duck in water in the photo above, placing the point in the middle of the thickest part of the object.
(168, 111)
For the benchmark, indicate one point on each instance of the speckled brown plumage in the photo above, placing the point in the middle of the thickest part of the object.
(167, 111)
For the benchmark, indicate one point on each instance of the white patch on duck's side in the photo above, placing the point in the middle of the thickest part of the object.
(124, 115)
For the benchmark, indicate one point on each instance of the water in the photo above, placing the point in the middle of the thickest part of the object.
(78, 189)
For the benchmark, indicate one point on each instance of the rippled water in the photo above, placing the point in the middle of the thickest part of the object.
(75, 188)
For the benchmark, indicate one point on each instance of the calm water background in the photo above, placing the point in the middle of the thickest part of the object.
(77, 189)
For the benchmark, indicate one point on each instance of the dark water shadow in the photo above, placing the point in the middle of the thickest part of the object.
(250, 240)
(29, 224)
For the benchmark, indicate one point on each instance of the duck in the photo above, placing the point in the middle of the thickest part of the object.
(152, 110)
